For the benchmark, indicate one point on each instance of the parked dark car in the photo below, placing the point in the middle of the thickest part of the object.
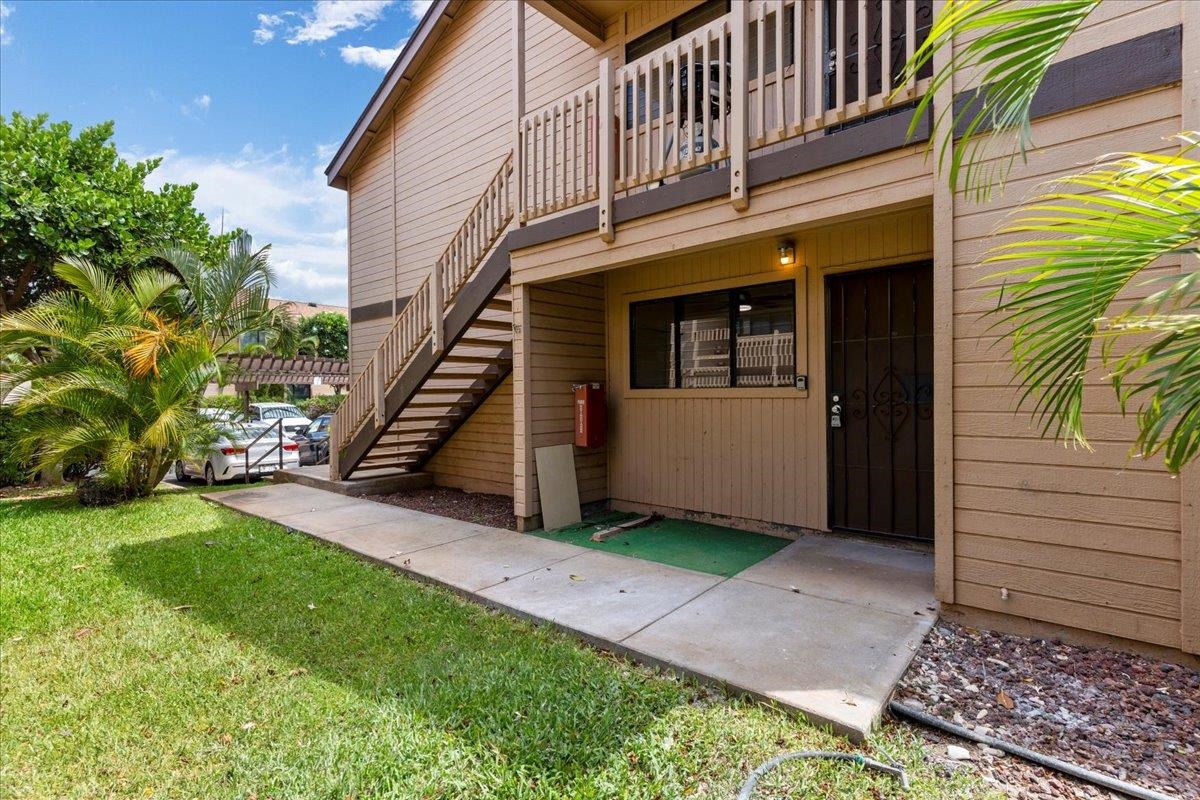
(314, 442)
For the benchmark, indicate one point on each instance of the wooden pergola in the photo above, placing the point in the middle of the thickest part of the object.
(252, 371)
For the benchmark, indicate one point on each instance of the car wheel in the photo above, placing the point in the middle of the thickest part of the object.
(180, 475)
(210, 476)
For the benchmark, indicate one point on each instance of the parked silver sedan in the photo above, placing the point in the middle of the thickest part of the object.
(227, 458)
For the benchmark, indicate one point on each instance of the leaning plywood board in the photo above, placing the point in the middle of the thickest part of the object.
(556, 486)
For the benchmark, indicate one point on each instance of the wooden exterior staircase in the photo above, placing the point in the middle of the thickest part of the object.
(447, 350)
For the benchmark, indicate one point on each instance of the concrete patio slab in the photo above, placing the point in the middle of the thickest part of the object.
(389, 539)
(836, 662)
(279, 500)
(485, 560)
(601, 595)
(331, 520)
(864, 573)
(826, 626)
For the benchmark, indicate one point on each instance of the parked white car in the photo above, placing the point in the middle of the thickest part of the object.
(227, 457)
(294, 421)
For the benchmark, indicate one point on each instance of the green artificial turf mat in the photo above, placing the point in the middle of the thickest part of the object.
(677, 542)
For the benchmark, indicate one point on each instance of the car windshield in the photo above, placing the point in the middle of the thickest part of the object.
(280, 412)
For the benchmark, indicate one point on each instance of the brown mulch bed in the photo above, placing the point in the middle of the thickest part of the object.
(495, 510)
(1113, 712)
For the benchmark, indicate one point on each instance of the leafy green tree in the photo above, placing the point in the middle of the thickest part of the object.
(332, 332)
(1087, 240)
(65, 195)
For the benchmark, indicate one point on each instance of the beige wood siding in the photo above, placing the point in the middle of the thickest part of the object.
(562, 344)
(479, 456)
(1085, 539)
(747, 454)
(425, 169)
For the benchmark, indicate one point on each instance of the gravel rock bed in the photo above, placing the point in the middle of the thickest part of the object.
(495, 510)
(1109, 711)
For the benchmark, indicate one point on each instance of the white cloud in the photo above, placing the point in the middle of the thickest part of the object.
(5, 31)
(417, 8)
(280, 199)
(197, 108)
(267, 23)
(380, 58)
(331, 17)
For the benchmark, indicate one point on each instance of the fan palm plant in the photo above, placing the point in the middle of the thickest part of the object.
(117, 383)
(1087, 240)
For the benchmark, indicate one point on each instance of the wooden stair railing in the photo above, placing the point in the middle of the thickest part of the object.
(462, 284)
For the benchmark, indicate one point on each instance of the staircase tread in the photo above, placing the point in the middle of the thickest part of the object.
(475, 341)
(491, 324)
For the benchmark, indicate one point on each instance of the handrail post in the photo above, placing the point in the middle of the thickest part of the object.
(335, 447)
(738, 120)
(280, 443)
(606, 136)
(518, 78)
(437, 302)
(377, 385)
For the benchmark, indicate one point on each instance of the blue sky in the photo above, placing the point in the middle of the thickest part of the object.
(247, 99)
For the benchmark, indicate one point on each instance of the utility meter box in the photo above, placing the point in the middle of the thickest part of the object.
(590, 417)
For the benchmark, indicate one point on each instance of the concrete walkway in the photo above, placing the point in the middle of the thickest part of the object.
(826, 626)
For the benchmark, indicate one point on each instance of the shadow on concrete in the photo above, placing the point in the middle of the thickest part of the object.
(549, 708)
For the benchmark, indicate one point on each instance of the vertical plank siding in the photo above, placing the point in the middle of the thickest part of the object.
(562, 343)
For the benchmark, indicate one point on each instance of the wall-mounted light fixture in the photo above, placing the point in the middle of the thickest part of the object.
(787, 253)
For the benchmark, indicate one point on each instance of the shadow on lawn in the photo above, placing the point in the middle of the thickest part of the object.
(500, 685)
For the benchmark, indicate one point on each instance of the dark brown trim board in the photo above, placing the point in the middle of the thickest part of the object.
(1128, 67)
(373, 311)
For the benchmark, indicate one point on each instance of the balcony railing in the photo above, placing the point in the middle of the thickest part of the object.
(766, 72)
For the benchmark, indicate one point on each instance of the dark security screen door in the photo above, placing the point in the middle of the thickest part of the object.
(880, 404)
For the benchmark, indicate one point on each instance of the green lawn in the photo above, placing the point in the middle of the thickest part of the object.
(170, 648)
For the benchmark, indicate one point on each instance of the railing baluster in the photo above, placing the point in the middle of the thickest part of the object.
(622, 126)
(706, 110)
(780, 68)
(797, 66)
(819, 56)
(649, 166)
(723, 89)
(910, 41)
(840, 51)
(760, 131)
(862, 56)
(689, 67)
(885, 56)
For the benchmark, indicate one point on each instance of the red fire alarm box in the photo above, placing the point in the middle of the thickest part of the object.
(590, 418)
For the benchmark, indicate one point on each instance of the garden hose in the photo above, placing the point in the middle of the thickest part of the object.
(895, 770)
(1049, 762)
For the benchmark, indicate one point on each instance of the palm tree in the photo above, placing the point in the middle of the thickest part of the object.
(229, 299)
(117, 382)
(1087, 238)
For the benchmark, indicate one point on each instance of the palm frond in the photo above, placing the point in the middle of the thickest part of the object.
(1004, 49)
(1093, 234)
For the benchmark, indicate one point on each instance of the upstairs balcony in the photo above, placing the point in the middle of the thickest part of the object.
(763, 76)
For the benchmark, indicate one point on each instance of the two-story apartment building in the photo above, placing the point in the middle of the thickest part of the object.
(715, 208)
